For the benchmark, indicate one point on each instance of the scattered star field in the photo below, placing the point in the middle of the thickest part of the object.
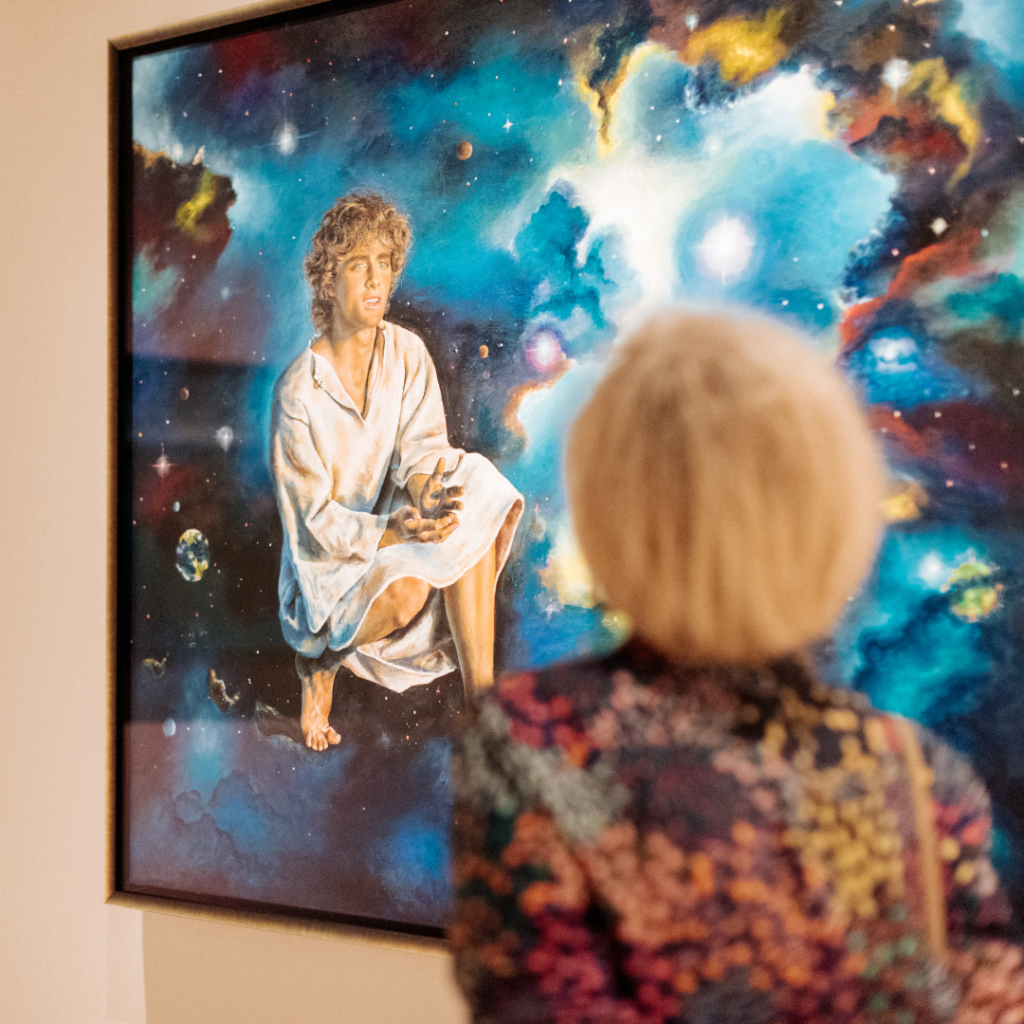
(853, 167)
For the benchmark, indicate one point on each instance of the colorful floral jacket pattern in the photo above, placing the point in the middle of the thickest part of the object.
(641, 844)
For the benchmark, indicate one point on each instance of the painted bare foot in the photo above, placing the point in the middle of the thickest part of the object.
(317, 691)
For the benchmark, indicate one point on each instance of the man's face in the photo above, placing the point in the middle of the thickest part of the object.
(362, 286)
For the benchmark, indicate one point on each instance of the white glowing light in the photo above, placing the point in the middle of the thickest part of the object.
(163, 464)
(894, 355)
(933, 570)
(726, 249)
(170, 727)
(896, 74)
(641, 199)
(939, 225)
(287, 139)
(544, 350)
(225, 437)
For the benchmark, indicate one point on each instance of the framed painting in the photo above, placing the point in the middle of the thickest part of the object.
(369, 259)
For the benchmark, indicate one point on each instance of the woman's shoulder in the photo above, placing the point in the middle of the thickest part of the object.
(586, 707)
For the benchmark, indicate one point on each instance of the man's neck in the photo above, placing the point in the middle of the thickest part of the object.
(358, 341)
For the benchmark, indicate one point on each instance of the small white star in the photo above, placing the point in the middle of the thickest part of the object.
(163, 464)
(507, 125)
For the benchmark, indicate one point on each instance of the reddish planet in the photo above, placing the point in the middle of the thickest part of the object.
(484, 352)
(464, 150)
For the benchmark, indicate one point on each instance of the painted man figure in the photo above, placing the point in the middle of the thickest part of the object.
(393, 540)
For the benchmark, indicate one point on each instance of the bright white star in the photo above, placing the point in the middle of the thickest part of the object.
(507, 125)
(287, 139)
(163, 464)
(726, 248)
(896, 74)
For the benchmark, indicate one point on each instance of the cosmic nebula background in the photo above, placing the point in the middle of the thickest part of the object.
(853, 167)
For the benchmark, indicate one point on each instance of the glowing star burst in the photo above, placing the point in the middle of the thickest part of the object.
(932, 569)
(225, 437)
(507, 125)
(544, 349)
(896, 74)
(726, 249)
(287, 139)
(163, 464)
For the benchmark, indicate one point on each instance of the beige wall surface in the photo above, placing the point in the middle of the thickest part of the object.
(66, 957)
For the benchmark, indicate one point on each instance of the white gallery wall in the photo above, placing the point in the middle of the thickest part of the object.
(66, 957)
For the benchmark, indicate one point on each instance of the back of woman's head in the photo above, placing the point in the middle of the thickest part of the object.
(725, 488)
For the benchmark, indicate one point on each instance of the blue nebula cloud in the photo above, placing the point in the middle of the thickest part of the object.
(807, 206)
(541, 238)
(902, 644)
(997, 24)
(903, 370)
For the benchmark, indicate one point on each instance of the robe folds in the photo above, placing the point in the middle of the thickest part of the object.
(339, 474)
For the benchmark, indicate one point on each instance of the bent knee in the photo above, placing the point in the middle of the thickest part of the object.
(403, 600)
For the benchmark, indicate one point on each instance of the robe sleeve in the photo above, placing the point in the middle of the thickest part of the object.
(331, 546)
(422, 429)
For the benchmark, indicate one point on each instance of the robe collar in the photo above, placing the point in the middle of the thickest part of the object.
(325, 377)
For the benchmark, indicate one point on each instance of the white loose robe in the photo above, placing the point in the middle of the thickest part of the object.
(339, 475)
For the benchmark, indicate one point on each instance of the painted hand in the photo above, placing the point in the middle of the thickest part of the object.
(407, 526)
(435, 500)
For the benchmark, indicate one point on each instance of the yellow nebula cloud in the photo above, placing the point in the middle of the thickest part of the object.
(976, 603)
(149, 156)
(828, 104)
(974, 596)
(968, 571)
(603, 99)
(189, 212)
(948, 99)
(743, 47)
(618, 624)
(566, 575)
(904, 501)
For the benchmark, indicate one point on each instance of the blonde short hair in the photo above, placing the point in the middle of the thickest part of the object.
(725, 488)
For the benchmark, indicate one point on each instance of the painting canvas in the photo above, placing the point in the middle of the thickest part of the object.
(854, 168)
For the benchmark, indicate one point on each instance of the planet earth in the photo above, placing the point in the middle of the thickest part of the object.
(192, 556)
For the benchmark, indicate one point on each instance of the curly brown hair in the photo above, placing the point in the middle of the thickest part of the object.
(352, 219)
